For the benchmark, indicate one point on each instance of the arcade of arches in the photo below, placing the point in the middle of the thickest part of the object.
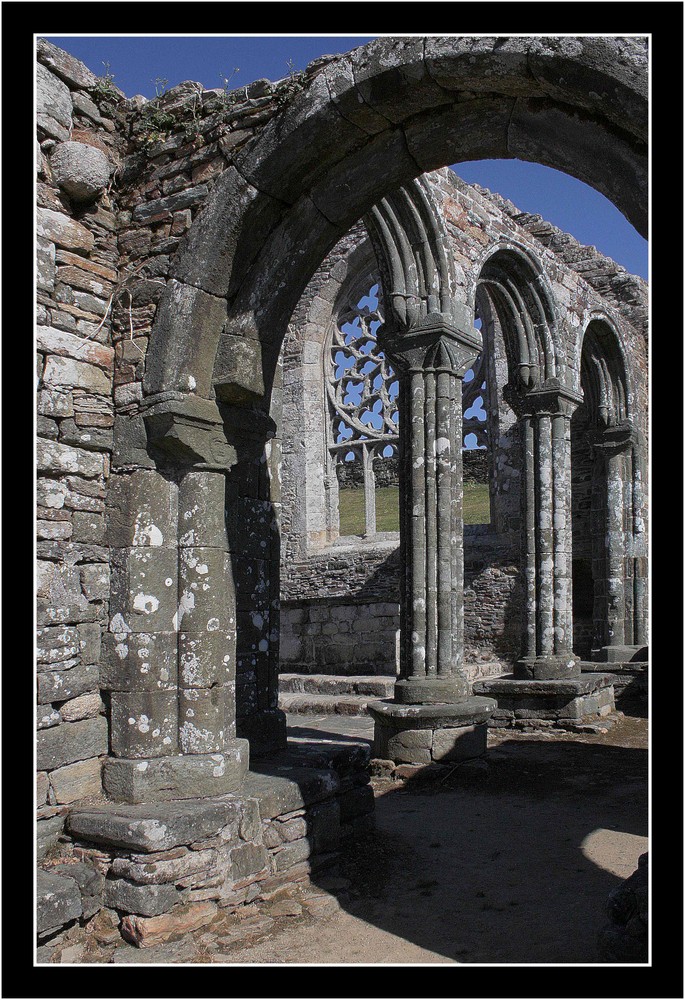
(197, 399)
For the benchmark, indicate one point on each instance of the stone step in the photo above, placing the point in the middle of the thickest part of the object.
(298, 703)
(327, 684)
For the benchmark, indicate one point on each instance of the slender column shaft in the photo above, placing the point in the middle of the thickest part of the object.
(561, 458)
(457, 543)
(545, 608)
(416, 462)
(369, 491)
(432, 541)
(639, 540)
(528, 433)
(615, 549)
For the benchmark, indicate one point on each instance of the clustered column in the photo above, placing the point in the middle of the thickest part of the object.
(545, 424)
(441, 720)
(169, 661)
(431, 369)
(620, 611)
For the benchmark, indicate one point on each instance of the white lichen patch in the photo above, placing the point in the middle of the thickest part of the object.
(185, 604)
(146, 533)
(146, 603)
(142, 765)
(118, 624)
(121, 649)
(212, 624)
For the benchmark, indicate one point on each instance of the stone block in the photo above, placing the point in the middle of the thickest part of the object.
(294, 789)
(92, 438)
(58, 901)
(146, 900)
(68, 345)
(77, 781)
(201, 510)
(143, 589)
(146, 932)
(139, 661)
(143, 723)
(206, 589)
(57, 643)
(462, 743)
(47, 716)
(59, 459)
(412, 746)
(179, 777)
(248, 859)
(42, 785)
(157, 871)
(61, 685)
(81, 170)
(66, 373)
(142, 509)
(65, 66)
(206, 719)
(153, 828)
(71, 742)
(95, 581)
(292, 854)
(84, 706)
(91, 884)
(48, 832)
(206, 658)
(89, 642)
(53, 104)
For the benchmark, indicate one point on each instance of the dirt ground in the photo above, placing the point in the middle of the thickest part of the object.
(511, 862)
(507, 860)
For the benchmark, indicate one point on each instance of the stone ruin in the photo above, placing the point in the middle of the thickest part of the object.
(209, 355)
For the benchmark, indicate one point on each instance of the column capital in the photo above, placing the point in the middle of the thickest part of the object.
(434, 345)
(614, 439)
(551, 398)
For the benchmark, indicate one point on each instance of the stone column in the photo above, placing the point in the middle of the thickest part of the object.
(169, 656)
(545, 422)
(433, 716)
(621, 601)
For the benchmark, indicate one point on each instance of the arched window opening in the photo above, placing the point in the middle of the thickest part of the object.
(363, 392)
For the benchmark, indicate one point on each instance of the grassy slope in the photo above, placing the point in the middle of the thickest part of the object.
(476, 508)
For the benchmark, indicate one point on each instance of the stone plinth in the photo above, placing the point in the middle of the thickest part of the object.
(424, 734)
(620, 654)
(520, 702)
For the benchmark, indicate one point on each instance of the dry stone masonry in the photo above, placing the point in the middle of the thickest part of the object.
(194, 255)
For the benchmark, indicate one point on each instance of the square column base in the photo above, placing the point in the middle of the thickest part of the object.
(552, 702)
(191, 776)
(619, 654)
(425, 734)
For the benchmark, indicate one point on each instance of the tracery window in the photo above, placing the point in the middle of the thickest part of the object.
(363, 394)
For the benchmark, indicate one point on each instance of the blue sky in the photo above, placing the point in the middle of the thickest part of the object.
(138, 63)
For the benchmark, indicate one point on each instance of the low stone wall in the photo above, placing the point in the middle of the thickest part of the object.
(164, 869)
(354, 628)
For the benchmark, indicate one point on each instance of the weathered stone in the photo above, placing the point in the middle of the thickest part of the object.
(143, 589)
(58, 458)
(148, 900)
(48, 831)
(138, 661)
(142, 509)
(85, 706)
(80, 169)
(70, 742)
(205, 719)
(77, 781)
(152, 828)
(206, 658)
(151, 931)
(462, 743)
(65, 232)
(53, 104)
(89, 526)
(90, 883)
(90, 438)
(62, 684)
(67, 345)
(143, 723)
(71, 70)
(47, 716)
(161, 871)
(292, 854)
(247, 860)
(189, 776)
(294, 789)
(58, 901)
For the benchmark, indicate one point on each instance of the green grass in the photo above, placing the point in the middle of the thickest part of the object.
(351, 508)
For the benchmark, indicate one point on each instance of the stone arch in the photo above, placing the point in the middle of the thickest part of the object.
(607, 477)
(367, 123)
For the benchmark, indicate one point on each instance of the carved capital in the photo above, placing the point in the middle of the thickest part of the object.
(551, 398)
(434, 345)
(615, 439)
(189, 431)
